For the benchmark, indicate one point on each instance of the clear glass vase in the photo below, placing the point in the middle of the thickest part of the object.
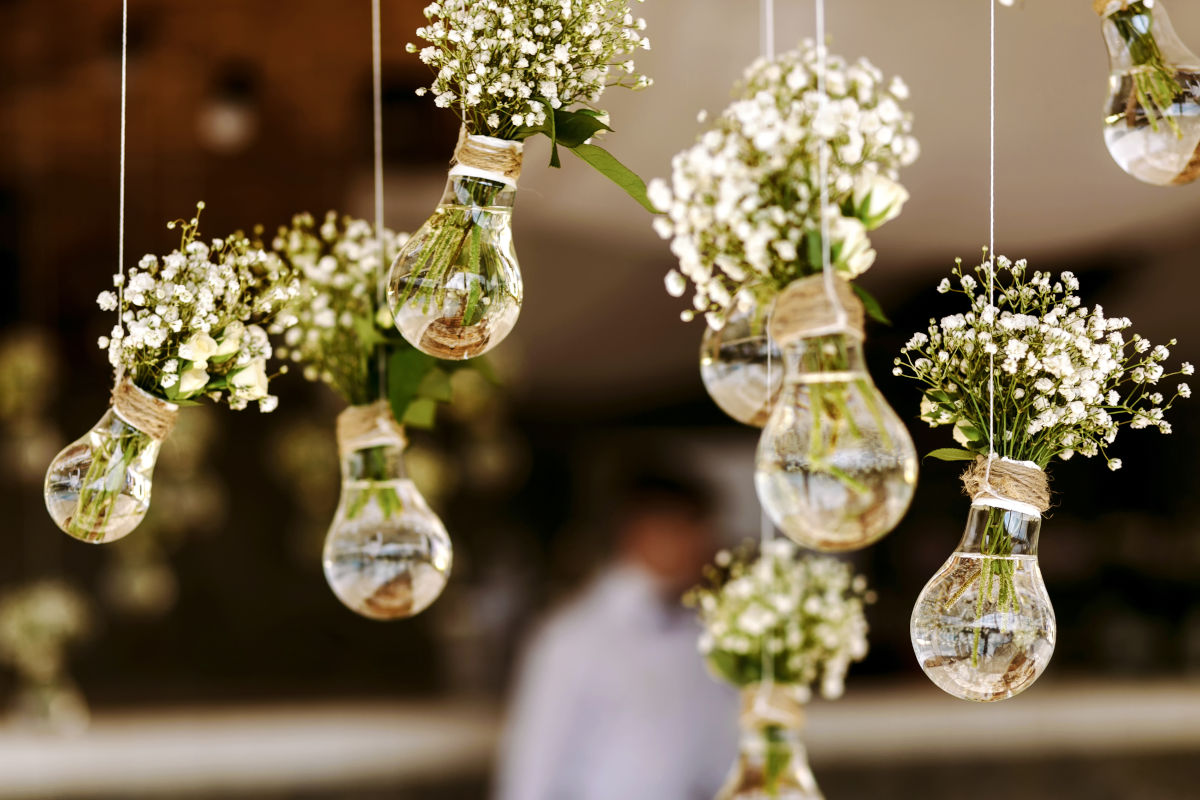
(741, 367)
(772, 763)
(836, 468)
(1152, 116)
(98, 488)
(983, 628)
(387, 555)
(455, 288)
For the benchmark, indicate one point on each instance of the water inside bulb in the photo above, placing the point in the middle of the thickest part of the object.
(455, 288)
(387, 555)
(836, 468)
(734, 367)
(97, 489)
(983, 628)
(1152, 115)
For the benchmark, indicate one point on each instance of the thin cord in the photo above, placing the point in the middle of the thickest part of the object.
(823, 173)
(377, 110)
(767, 34)
(120, 369)
(992, 250)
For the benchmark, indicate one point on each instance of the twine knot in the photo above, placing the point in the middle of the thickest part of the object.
(487, 157)
(1009, 480)
(804, 309)
(368, 426)
(1107, 7)
(149, 414)
(771, 705)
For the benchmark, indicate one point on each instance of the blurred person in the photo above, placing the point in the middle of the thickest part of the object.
(613, 701)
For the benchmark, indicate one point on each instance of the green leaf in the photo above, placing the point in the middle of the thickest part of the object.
(573, 128)
(436, 386)
(406, 372)
(874, 310)
(420, 413)
(951, 454)
(618, 173)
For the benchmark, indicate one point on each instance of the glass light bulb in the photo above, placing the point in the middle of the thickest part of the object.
(983, 628)
(836, 468)
(734, 366)
(1152, 116)
(455, 287)
(772, 761)
(98, 488)
(387, 555)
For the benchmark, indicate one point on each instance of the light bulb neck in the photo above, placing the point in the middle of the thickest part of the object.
(371, 443)
(473, 191)
(1140, 35)
(836, 356)
(1000, 532)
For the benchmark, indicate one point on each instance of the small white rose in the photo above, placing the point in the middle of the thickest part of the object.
(877, 199)
(199, 349)
(851, 248)
(231, 341)
(193, 381)
(250, 383)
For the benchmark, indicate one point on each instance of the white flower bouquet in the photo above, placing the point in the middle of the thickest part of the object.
(511, 71)
(742, 209)
(191, 327)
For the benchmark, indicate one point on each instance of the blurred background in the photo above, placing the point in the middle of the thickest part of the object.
(205, 656)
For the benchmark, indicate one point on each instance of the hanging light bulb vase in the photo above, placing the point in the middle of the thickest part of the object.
(98, 488)
(836, 468)
(1152, 117)
(771, 762)
(455, 288)
(983, 628)
(742, 368)
(387, 555)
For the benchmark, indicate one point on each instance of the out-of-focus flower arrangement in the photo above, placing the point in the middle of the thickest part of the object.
(38, 624)
(29, 369)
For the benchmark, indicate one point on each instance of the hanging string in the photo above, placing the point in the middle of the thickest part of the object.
(767, 29)
(991, 248)
(120, 369)
(823, 174)
(377, 118)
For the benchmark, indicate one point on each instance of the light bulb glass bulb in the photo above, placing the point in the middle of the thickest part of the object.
(98, 488)
(836, 468)
(772, 762)
(983, 628)
(455, 287)
(1152, 116)
(741, 367)
(387, 555)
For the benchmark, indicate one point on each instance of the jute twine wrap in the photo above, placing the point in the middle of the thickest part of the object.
(804, 309)
(144, 411)
(1102, 7)
(772, 705)
(1010, 480)
(368, 426)
(487, 154)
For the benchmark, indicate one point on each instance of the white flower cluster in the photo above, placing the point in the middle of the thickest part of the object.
(335, 324)
(742, 210)
(504, 65)
(806, 613)
(37, 622)
(191, 320)
(1067, 377)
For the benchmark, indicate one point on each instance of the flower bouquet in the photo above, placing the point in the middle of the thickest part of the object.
(387, 555)
(1066, 379)
(774, 627)
(190, 329)
(511, 71)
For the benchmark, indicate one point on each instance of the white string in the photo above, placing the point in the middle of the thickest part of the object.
(823, 174)
(120, 369)
(992, 251)
(377, 111)
(767, 33)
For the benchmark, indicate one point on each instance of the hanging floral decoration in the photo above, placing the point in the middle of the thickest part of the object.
(742, 209)
(775, 626)
(191, 328)
(1067, 379)
(511, 71)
